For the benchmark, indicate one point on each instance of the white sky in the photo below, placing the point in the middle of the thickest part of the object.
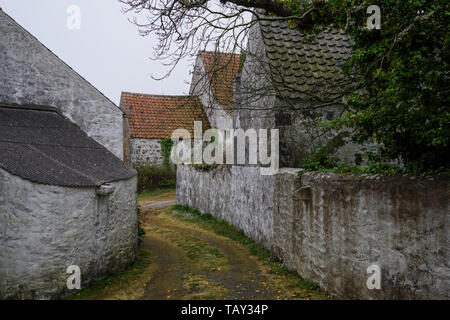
(107, 51)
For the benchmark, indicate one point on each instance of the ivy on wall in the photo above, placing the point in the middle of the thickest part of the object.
(403, 70)
(166, 148)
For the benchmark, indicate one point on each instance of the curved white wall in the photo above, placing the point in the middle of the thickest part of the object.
(44, 229)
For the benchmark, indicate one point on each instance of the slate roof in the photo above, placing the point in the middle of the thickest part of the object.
(40, 145)
(156, 117)
(221, 68)
(300, 66)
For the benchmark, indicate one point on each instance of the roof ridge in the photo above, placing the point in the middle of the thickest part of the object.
(65, 63)
(36, 107)
(159, 95)
(218, 52)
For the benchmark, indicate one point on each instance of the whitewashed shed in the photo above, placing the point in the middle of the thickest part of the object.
(64, 200)
(66, 197)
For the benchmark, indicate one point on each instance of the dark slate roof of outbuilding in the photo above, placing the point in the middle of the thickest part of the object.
(302, 66)
(40, 145)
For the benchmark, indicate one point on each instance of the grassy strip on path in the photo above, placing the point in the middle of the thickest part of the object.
(288, 285)
(155, 193)
(211, 260)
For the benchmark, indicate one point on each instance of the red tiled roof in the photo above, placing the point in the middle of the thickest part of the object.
(221, 68)
(156, 117)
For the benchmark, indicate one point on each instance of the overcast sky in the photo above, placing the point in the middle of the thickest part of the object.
(107, 50)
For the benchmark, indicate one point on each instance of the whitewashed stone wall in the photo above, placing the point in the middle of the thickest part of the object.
(32, 74)
(331, 227)
(44, 229)
(146, 151)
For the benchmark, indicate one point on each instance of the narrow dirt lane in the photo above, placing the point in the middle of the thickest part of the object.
(195, 263)
(188, 255)
(168, 277)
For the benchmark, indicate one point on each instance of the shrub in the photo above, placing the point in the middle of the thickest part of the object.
(402, 98)
(154, 177)
(321, 161)
(205, 167)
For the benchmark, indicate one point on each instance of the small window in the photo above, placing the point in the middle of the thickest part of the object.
(282, 119)
(330, 115)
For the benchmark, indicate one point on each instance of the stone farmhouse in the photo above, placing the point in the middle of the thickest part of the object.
(330, 228)
(66, 197)
(213, 83)
(150, 118)
(291, 84)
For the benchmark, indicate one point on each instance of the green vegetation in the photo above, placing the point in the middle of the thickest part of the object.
(402, 101)
(121, 280)
(151, 178)
(199, 252)
(322, 162)
(186, 234)
(155, 193)
(222, 228)
(205, 167)
(166, 148)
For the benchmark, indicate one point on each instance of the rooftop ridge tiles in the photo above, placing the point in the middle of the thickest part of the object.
(158, 95)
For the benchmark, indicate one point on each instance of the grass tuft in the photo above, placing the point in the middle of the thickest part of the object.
(122, 279)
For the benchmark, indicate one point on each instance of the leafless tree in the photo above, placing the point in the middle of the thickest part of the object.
(186, 27)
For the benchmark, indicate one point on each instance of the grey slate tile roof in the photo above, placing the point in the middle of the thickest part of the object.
(40, 145)
(305, 67)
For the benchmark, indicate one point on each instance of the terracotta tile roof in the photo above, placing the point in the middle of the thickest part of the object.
(221, 68)
(156, 117)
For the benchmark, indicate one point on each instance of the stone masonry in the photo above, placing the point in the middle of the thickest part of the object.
(32, 74)
(331, 227)
(44, 229)
(146, 151)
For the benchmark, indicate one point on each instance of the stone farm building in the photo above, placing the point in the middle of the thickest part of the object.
(213, 83)
(152, 118)
(330, 228)
(288, 84)
(66, 197)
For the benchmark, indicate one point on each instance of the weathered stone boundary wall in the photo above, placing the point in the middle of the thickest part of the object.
(146, 151)
(331, 227)
(45, 229)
